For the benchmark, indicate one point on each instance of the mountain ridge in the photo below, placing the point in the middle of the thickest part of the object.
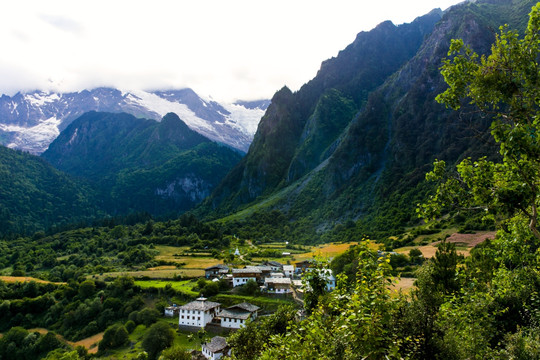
(371, 167)
(140, 164)
(31, 121)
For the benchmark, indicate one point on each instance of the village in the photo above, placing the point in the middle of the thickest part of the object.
(272, 277)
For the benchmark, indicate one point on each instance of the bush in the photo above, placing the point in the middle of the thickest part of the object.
(210, 289)
(147, 316)
(251, 288)
(175, 353)
(130, 326)
(115, 336)
(159, 337)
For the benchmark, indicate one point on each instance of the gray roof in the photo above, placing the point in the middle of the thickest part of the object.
(239, 311)
(260, 267)
(274, 263)
(201, 304)
(232, 314)
(247, 271)
(285, 281)
(245, 306)
(217, 344)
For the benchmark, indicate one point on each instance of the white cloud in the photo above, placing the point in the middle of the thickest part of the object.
(228, 49)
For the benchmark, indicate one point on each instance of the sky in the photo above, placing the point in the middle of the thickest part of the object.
(225, 49)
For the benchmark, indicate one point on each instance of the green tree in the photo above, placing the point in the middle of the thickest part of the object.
(87, 288)
(250, 288)
(210, 289)
(147, 316)
(445, 264)
(314, 283)
(115, 336)
(121, 337)
(175, 353)
(159, 337)
(130, 326)
(496, 310)
(63, 355)
(248, 342)
(350, 324)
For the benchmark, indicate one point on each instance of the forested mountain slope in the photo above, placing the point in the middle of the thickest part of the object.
(34, 195)
(356, 141)
(139, 164)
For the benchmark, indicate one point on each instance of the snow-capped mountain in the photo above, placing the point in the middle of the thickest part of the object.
(31, 121)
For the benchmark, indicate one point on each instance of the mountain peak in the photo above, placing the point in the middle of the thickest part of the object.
(30, 121)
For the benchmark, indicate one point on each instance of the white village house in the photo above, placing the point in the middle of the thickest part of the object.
(288, 270)
(198, 313)
(236, 316)
(216, 271)
(216, 348)
(278, 285)
(242, 276)
(171, 311)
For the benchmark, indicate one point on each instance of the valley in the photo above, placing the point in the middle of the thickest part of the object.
(387, 209)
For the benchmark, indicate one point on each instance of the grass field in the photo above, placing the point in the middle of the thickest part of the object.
(184, 286)
(328, 250)
(154, 274)
(14, 279)
(174, 254)
(190, 266)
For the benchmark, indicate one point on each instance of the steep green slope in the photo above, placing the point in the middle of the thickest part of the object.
(141, 165)
(34, 195)
(284, 132)
(359, 149)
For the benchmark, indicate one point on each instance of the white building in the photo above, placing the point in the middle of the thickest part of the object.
(242, 276)
(236, 316)
(330, 280)
(198, 313)
(276, 266)
(171, 311)
(278, 285)
(216, 271)
(288, 270)
(216, 348)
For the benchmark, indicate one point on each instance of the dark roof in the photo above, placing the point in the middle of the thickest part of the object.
(218, 266)
(234, 314)
(217, 344)
(274, 263)
(245, 306)
(260, 267)
(200, 304)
